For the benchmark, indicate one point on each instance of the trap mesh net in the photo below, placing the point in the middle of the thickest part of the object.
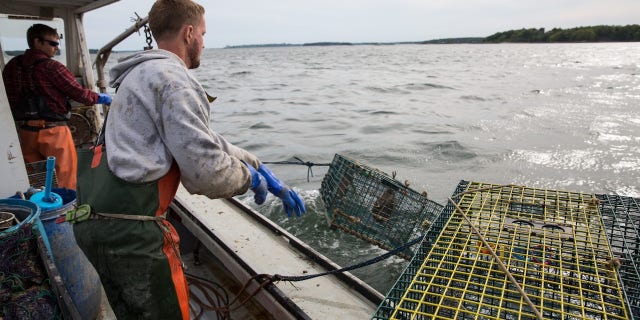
(373, 206)
(25, 288)
(552, 243)
(621, 221)
(37, 174)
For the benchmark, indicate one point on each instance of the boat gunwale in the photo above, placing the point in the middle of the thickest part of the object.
(346, 279)
(274, 292)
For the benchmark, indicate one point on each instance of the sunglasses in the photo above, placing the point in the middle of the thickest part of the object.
(50, 42)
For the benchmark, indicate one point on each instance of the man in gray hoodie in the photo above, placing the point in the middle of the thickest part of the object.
(158, 135)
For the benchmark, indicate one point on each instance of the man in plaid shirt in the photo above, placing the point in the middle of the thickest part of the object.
(39, 89)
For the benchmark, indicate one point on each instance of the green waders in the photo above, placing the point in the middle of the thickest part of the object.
(128, 241)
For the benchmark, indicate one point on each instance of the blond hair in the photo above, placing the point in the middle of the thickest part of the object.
(167, 17)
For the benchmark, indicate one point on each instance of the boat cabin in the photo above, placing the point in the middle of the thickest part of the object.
(16, 17)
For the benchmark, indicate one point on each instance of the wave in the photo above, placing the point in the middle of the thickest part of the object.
(266, 99)
(241, 73)
(383, 112)
(260, 125)
(432, 131)
(448, 151)
(472, 98)
(426, 86)
(394, 90)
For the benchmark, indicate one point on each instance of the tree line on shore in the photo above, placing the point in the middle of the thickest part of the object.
(579, 34)
(600, 33)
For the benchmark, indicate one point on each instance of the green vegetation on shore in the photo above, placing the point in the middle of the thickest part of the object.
(580, 34)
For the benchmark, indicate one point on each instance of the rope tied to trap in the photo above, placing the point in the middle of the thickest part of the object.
(213, 297)
(277, 277)
(299, 161)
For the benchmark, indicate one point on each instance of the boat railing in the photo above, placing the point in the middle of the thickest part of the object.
(103, 54)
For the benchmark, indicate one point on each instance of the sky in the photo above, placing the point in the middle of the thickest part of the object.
(241, 22)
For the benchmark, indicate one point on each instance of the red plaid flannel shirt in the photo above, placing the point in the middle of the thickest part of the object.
(52, 79)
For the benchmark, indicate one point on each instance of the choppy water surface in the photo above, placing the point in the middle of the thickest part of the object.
(558, 116)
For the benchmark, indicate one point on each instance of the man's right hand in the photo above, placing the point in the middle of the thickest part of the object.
(258, 185)
(291, 201)
(104, 98)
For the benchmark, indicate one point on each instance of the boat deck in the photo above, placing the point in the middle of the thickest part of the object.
(248, 244)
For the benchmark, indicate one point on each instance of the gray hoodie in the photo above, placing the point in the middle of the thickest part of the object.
(161, 114)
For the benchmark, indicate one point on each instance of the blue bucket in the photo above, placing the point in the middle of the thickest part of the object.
(80, 278)
(26, 212)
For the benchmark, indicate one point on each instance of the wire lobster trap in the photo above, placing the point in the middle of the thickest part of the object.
(511, 252)
(37, 174)
(621, 220)
(373, 206)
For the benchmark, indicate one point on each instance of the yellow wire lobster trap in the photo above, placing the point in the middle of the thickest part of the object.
(511, 252)
(373, 206)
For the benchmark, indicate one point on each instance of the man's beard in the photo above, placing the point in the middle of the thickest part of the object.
(194, 56)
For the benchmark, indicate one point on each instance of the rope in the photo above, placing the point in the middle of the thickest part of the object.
(222, 305)
(130, 216)
(302, 163)
(208, 289)
(277, 277)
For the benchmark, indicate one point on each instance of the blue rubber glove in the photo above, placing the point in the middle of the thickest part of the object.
(290, 199)
(258, 185)
(104, 98)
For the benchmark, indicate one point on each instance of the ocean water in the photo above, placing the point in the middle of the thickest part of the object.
(557, 116)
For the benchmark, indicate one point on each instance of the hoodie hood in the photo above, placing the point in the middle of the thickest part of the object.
(126, 64)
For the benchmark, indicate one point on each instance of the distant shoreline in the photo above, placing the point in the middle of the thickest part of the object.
(322, 44)
(629, 33)
(327, 44)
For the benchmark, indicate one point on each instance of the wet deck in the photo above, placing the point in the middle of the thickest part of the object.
(269, 252)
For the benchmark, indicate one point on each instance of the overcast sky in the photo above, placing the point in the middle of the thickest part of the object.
(298, 21)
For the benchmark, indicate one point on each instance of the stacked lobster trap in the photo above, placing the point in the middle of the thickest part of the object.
(513, 252)
(375, 207)
(621, 221)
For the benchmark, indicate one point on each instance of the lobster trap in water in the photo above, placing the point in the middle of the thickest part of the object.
(621, 220)
(373, 206)
(511, 252)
